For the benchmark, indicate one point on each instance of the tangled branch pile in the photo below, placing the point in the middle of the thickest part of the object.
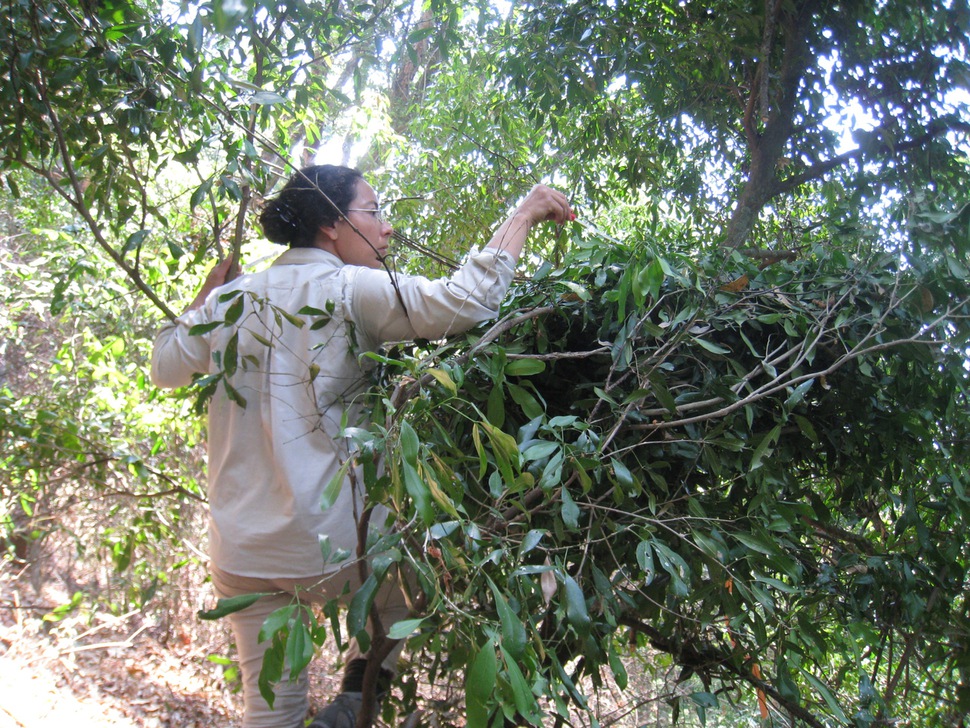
(743, 475)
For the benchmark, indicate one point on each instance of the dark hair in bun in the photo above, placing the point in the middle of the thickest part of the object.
(313, 198)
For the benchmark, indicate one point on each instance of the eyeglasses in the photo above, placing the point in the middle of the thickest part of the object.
(376, 212)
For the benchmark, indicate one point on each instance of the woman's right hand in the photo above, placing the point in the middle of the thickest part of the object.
(545, 204)
(542, 204)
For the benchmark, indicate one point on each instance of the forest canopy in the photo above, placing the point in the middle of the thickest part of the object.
(713, 453)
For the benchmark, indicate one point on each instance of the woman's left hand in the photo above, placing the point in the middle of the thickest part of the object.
(220, 274)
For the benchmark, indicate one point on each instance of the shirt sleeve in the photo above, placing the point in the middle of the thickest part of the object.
(176, 355)
(405, 307)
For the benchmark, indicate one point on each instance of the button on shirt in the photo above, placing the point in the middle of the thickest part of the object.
(271, 459)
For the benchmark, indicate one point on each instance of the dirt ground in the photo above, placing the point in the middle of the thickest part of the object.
(115, 671)
(130, 671)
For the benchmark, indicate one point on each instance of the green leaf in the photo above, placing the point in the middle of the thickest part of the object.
(650, 279)
(827, 695)
(711, 347)
(524, 367)
(605, 397)
(532, 570)
(796, 397)
(359, 610)
(229, 295)
(957, 268)
(233, 394)
(807, 428)
(658, 386)
(134, 241)
(623, 476)
(409, 443)
(332, 491)
(513, 631)
(175, 250)
(416, 36)
(755, 543)
(619, 669)
(522, 397)
(576, 612)
(764, 447)
(569, 511)
(495, 408)
(444, 380)
(294, 320)
(230, 357)
(299, 648)
(480, 684)
(675, 565)
(525, 701)
(235, 310)
(200, 329)
(531, 540)
(271, 672)
(231, 604)
(201, 192)
(645, 560)
(505, 449)
(703, 701)
(579, 290)
(419, 491)
(277, 620)
(540, 451)
(404, 629)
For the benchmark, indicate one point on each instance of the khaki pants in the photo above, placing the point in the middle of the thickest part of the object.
(292, 701)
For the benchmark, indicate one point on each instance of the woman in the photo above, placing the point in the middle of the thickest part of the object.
(287, 391)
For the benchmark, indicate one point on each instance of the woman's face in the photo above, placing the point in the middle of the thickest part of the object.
(367, 245)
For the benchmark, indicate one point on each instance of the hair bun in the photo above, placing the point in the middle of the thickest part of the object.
(313, 198)
(280, 222)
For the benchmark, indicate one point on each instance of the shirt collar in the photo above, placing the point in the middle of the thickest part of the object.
(302, 256)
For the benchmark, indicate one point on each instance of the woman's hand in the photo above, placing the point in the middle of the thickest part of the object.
(220, 274)
(542, 204)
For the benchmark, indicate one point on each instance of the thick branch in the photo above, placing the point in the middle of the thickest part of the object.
(766, 149)
(696, 655)
(77, 202)
(881, 147)
(758, 98)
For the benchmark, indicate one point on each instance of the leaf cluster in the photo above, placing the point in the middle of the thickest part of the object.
(745, 479)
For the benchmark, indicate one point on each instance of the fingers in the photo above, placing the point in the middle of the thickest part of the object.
(546, 204)
(222, 272)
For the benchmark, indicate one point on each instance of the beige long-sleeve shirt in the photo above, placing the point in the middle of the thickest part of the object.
(271, 460)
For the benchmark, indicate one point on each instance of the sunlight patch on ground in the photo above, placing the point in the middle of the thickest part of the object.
(30, 697)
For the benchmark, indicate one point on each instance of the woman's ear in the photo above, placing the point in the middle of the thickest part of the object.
(328, 232)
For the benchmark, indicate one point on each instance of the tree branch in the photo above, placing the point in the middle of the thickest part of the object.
(765, 149)
(77, 202)
(701, 656)
(937, 128)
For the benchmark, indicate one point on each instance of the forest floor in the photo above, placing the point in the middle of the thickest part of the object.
(161, 668)
(125, 671)
(109, 671)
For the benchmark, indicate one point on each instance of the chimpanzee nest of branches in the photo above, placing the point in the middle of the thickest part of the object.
(645, 449)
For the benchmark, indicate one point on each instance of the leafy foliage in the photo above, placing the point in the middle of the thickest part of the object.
(721, 432)
(743, 480)
(90, 467)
